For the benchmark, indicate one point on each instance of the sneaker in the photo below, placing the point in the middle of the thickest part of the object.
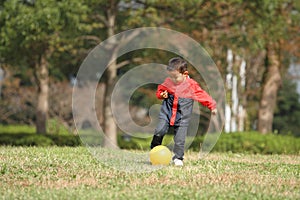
(178, 162)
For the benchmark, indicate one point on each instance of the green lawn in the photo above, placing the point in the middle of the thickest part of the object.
(73, 173)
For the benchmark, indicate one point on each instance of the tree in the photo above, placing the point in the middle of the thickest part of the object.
(259, 32)
(275, 19)
(102, 25)
(31, 32)
(287, 113)
(106, 18)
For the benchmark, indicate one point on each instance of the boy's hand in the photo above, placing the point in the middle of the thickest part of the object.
(214, 111)
(164, 94)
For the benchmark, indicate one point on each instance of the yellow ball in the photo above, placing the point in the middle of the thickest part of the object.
(160, 155)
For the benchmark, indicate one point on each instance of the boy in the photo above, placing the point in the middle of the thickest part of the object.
(178, 92)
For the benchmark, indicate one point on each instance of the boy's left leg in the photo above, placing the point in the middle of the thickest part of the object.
(179, 140)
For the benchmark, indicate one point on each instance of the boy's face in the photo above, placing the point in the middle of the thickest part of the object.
(176, 76)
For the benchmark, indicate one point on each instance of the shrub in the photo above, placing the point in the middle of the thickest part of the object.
(22, 135)
(34, 140)
(65, 140)
(246, 142)
(253, 142)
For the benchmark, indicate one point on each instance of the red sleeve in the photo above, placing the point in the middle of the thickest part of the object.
(159, 90)
(202, 96)
(166, 85)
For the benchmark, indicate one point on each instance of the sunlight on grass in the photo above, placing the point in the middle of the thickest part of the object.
(17, 129)
(123, 160)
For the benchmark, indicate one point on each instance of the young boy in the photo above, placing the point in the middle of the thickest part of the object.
(178, 92)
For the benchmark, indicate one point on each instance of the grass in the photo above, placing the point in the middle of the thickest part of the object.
(73, 173)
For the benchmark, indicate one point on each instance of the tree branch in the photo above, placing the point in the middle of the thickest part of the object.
(102, 19)
(126, 62)
(90, 37)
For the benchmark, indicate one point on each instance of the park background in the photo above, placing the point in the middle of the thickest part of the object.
(254, 44)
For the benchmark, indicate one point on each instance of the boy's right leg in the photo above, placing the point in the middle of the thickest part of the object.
(160, 131)
(179, 140)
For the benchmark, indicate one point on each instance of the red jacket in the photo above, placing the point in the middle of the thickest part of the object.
(177, 108)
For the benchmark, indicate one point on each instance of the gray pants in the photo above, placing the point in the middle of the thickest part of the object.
(179, 137)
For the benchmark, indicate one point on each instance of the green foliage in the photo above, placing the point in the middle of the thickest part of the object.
(23, 139)
(43, 28)
(253, 142)
(56, 128)
(14, 129)
(265, 22)
(25, 136)
(144, 97)
(28, 30)
(247, 142)
(31, 140)
(139, 143)
(287, 115)
(65, 140)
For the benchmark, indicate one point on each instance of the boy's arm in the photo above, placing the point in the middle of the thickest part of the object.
(201, 96)
(160, 89)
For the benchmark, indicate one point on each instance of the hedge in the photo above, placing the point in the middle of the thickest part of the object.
(253, 142)
(244, 142)
(25, 139)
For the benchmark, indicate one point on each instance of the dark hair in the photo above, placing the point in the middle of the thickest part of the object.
(177, 64)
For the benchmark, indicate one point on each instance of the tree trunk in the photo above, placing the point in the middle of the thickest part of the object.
(42, 101)
(254, 74)
(269, 93)
(110, 127)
